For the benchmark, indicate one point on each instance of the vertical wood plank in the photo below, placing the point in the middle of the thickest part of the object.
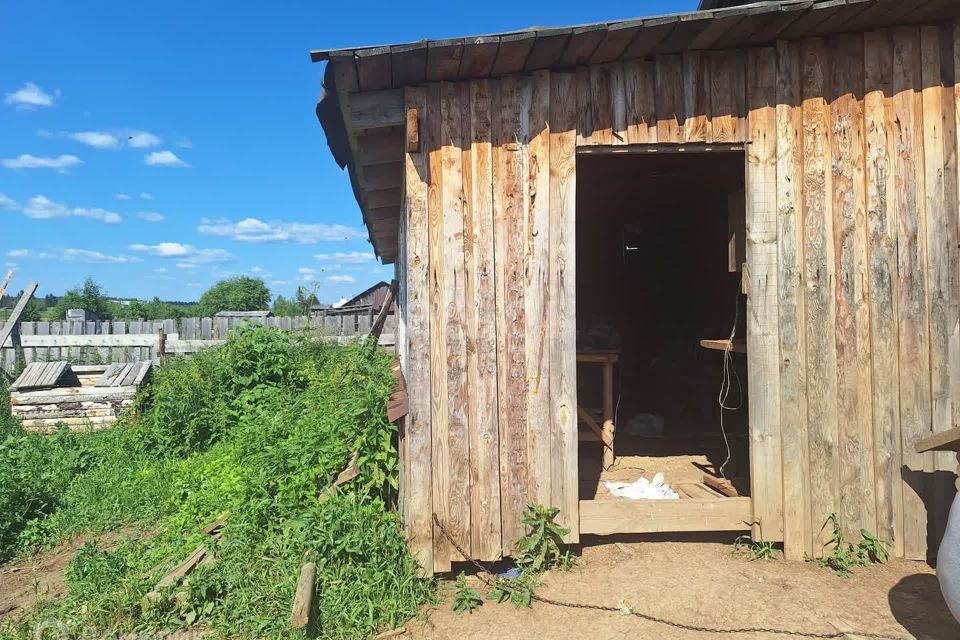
(618, 99)
(433, 144)
(797, 539)
(457, 445)
(601, 99)
(584, 107)
(562, 298)
(509, 125)
(727, 96)
(763, 331)
(854, 402)
(669, 99)
(914, 343)
(818, 293)
(882, 244)
(482, 331)
(536, 284)
(417, 430)
(696, 98)
(639, 82)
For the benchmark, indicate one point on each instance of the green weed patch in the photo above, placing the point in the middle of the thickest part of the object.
(259, 429)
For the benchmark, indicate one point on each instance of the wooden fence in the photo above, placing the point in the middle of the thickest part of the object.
(137, 340)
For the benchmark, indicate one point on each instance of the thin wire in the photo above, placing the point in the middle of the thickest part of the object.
(726, 383)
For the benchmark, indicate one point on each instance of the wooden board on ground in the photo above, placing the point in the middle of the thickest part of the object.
(607, 517)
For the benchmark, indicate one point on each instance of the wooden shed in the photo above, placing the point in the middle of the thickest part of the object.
(598, 229)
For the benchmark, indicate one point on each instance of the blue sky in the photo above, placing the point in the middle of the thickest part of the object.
(159, 147)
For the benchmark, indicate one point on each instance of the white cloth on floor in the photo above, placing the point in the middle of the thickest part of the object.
(643, 489)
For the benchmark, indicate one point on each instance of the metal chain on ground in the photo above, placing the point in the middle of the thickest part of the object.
(623, 610)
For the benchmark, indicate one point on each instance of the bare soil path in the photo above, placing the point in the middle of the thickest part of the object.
(703, 583)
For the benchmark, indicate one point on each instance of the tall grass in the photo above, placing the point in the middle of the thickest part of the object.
(258, 429)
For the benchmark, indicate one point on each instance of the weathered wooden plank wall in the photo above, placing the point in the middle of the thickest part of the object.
(854, 282)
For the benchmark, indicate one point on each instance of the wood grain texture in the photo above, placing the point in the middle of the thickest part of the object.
(854, 395)
(669, 99)
(601, 104)
(457, 444)
(417, 430)
(696, 98)
(537, 290)
(639, 82)
(584, 107)
(482, 331)
(509, 126)
(818, 294)
(442, 552)
(562, 301)
(727, 96)
(797, 539)
(914, 343)
(882, 247)
(608, 517)
(763, 331)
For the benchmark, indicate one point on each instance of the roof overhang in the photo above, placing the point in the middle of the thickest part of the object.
(361, 109)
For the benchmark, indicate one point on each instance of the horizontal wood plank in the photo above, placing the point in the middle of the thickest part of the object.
(607, 517)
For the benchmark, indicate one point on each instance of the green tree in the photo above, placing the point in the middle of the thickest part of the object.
(306, 298)
(235, 294)
(89, 296)
(285, 307)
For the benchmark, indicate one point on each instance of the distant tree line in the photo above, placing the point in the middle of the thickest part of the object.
(241, 293)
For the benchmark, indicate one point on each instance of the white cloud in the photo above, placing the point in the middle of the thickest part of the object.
(339, 303)
(184, 143)
(341, 279)
(30, 96)
(98, 139)
(254, 230)
(150, 216)
(43, 208)
(186, 256)
(164, 159)
(347, 257)
(26, 161)
(145, 196)
(160, 270)
(306, 274)
(278, 283)
(256, 270)
(143, 140)
(73, 255)
(121, 196)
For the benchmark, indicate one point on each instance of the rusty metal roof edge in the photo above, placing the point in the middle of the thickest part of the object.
(320, 55)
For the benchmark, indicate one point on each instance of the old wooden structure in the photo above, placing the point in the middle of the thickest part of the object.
(464, 155)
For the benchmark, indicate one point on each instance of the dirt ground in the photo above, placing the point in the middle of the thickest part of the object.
(702, 583)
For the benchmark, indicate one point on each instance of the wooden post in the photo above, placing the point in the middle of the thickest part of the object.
(384, 310)
(161, 344)
(14, 320)
(608, 427)
(18, 360)
(303, 598)
(6, 281)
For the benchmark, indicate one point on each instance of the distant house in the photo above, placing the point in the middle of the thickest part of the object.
(81, 315)
(369, 300)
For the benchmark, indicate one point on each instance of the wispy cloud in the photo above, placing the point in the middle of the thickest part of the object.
(306, 274)
(43, 208)
(184, 143)
(186, 256)
(109, 139)
(96, 139)
(26, 161)
(121, 196)
(341, 279)
(254, 230)
(29, 97)
(145, 196)
(346, 257)
(143, 139)
(164, 159)
(73, 255)
(150, 216)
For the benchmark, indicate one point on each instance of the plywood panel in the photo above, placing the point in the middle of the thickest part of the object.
(818, 294)
(882, 244)
(763, 331)
(793, 378)
(509, 124)
(536, 285)
(914, 344)
(432, 141)
(457, 444)
(639, 81)
(481, 331)
(562, 298)
(855, 407)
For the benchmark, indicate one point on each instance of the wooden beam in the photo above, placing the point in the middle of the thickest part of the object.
(946, 441)
(377, 109)
(377, 326)
(14, 318)
(607, 517)
(384, 147)
(413, 130)
(376, 198)
(381, 176)
(6, 281)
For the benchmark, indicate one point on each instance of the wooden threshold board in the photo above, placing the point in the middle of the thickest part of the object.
(607, 517)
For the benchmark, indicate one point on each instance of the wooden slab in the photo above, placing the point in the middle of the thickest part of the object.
(39, 374)
(946, 441)
(607, 517)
